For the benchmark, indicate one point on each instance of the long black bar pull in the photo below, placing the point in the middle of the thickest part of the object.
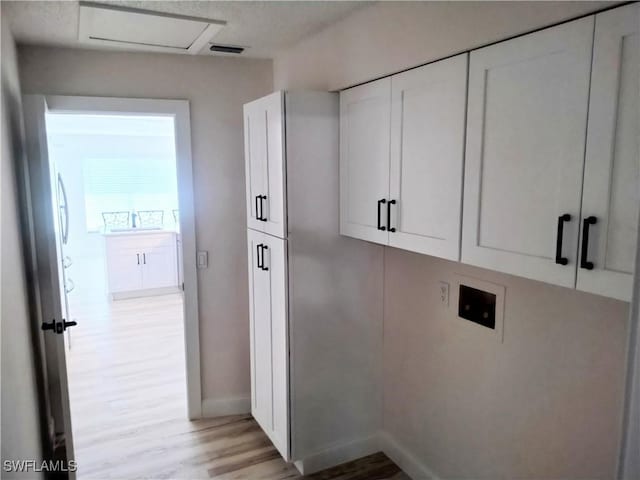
(389, 227)
(262, 217)
(258, 203)
(380, 202)
(560, 260)
(258, 255)
(586, 223)
(264, 247)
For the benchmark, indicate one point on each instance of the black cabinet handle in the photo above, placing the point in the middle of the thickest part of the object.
(138, 255)
(560, 260)
(389, 203)
(380, 227)
(262, 217)
(586, 223)
(258, 255)
(144, 258)
(258, 202)
(264, 247)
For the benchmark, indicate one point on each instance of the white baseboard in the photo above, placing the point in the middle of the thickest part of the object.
(405, 459)
(219, 407)
(335, 455)
(150, 292)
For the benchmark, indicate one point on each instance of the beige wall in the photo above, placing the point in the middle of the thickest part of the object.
(216, 89)
(21, 429)
(545, 403)
(391, 36)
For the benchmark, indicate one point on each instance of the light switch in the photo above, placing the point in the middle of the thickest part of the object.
(203, 259)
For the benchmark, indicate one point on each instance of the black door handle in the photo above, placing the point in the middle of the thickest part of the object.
(138, 255)
(389, 203)
(264, 247)
(258, 198)
(560, 260)
(262, 217)
(380, 227)
(58, 327)
(586, 223)
(258, 255)
(144, 258)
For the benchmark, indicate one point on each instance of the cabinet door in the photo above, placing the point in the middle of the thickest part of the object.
(612, 165)
(269, 337)
(124, 270)
(526, 124)
(364, 160)
(427, 157)
(159, 267)
(265, 164)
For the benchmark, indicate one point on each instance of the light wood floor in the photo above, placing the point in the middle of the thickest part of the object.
(128, 403)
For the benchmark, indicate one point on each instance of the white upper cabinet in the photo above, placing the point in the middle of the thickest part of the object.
(365, 113)
(269, 337)
(526, 124)
(265, 164)
(427, 157)
(612, 166)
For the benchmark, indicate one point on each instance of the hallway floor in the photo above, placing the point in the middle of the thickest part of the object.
(128, 402)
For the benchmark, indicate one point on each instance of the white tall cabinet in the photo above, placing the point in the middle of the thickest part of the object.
(316, 328)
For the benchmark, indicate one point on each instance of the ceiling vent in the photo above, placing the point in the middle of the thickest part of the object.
(217, 48)
(131, 28)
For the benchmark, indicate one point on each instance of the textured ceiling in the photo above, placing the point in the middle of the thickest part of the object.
(265, 27)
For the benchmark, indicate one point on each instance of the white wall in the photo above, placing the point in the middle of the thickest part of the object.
(391, 36)
(547, 402)
(21, 429)
(216, 88)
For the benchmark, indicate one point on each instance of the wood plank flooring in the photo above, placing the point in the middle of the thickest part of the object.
(128, 402)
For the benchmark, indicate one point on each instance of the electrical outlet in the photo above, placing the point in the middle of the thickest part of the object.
(444, 293)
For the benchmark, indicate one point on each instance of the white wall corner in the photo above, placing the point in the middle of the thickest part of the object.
(337, 454)
(219, 407)
(405, 459)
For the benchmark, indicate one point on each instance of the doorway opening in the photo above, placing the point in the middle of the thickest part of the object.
(115, 189)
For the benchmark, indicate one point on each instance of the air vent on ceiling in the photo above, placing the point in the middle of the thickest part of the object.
(131, 28)
(226, 49)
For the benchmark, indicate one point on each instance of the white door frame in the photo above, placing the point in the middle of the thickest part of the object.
(179, 110)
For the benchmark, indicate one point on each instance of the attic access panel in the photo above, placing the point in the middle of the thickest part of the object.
(136, 29)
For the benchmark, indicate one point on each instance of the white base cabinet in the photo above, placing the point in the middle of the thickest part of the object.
(141, 263)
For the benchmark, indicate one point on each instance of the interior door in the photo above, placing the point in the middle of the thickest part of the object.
(526, 124)
(265, 164)
(612, 163)
(365, 113)
(269, 337)
(427, 157)
(47, 244)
